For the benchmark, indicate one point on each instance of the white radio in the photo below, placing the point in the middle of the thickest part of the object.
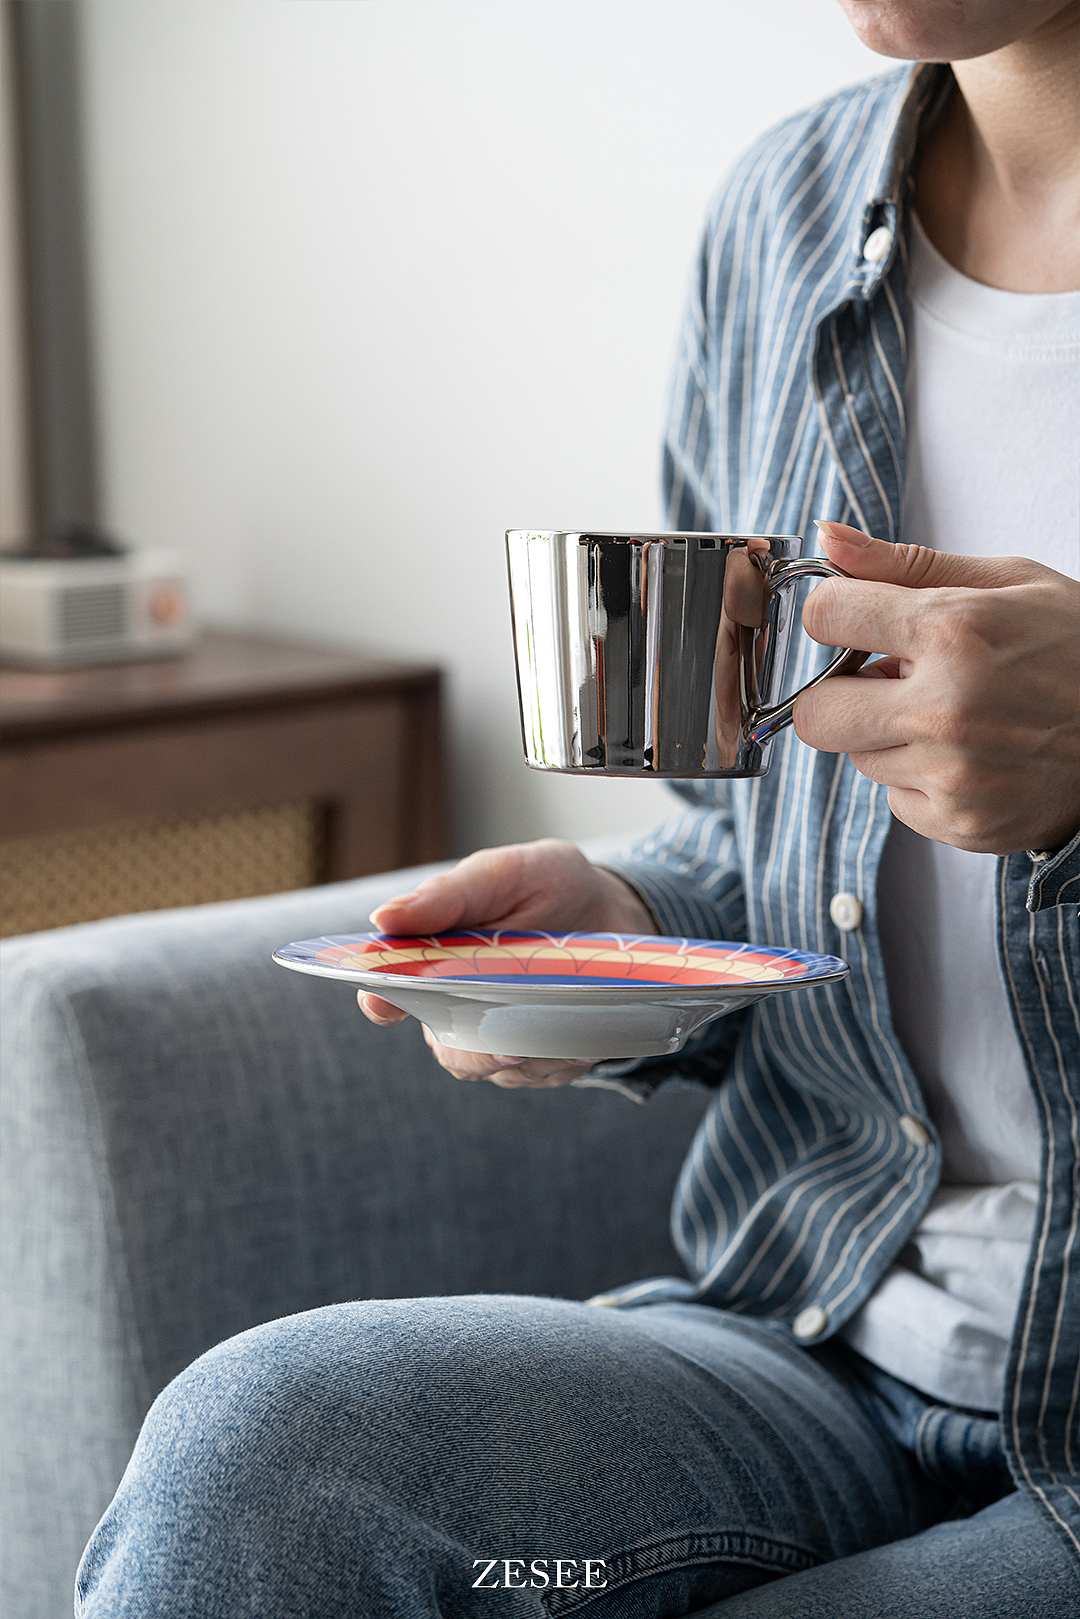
(93, 609)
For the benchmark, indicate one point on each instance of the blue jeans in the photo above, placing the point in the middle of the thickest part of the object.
(369, 1460)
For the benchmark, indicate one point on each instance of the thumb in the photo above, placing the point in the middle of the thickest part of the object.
(479, 891)
(915, 566)
(434, 906)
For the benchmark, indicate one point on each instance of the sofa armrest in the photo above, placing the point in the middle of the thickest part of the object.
(197, 1141)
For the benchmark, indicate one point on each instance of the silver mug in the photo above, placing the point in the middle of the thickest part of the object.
(656, 654)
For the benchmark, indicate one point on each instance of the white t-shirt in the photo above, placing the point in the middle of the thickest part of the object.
(993, 429)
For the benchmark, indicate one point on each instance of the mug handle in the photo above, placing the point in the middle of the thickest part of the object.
(761, 722)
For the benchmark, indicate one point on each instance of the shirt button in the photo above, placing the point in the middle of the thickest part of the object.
(811, 1322)
(915, 1130)
(846, 911)
(877, 244)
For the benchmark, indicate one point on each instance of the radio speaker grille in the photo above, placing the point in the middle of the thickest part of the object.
(92, 613)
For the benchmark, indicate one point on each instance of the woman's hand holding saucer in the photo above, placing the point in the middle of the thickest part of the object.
(548, 885)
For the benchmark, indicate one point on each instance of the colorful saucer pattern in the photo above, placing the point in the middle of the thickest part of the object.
(559, 960)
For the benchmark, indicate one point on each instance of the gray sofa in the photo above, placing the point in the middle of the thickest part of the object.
(196, 1141)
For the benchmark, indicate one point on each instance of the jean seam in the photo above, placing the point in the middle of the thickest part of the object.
(686, 1551)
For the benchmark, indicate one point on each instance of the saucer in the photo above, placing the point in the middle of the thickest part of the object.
(586, 995)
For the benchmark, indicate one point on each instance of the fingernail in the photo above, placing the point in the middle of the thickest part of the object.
(842, 531)
(376, 1017)
(391, 904)
(509, 1062)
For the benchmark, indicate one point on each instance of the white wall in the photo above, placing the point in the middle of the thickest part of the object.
(377, 279)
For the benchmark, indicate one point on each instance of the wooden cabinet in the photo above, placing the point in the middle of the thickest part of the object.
(250, 765)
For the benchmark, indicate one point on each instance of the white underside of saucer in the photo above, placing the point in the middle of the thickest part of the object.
(536, 1021)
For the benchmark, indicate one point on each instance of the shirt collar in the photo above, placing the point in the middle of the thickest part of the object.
(920, 96)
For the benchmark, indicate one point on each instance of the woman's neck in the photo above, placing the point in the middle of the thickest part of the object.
(998, 182)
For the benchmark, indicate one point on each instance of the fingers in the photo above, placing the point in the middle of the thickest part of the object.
(510, 1072)
(916, 567)
(925, 814)
(379, 1011)
(853, 714)
(891, 603)
(542, 1073)
(915, 809)
(545, 884)
(880, 618)
(537, 1079)
(970, 719)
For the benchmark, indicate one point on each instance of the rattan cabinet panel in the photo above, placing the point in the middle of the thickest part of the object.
(253, 765)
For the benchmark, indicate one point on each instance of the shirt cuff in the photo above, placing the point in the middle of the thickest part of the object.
(608, 1076)
(1055, 879)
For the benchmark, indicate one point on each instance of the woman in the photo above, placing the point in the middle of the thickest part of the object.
(864, 1400)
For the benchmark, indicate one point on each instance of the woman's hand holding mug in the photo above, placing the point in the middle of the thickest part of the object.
(972, 717)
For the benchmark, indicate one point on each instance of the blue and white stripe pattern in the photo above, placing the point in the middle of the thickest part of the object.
(802, 1186)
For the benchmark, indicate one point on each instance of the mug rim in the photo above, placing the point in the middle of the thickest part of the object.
(642, 534)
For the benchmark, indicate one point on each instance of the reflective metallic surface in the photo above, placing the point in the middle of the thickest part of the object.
(655, 654)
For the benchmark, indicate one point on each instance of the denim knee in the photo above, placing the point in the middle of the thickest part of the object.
(231, 1456)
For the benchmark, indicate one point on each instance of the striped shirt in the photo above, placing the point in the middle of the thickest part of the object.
(817, 1159)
